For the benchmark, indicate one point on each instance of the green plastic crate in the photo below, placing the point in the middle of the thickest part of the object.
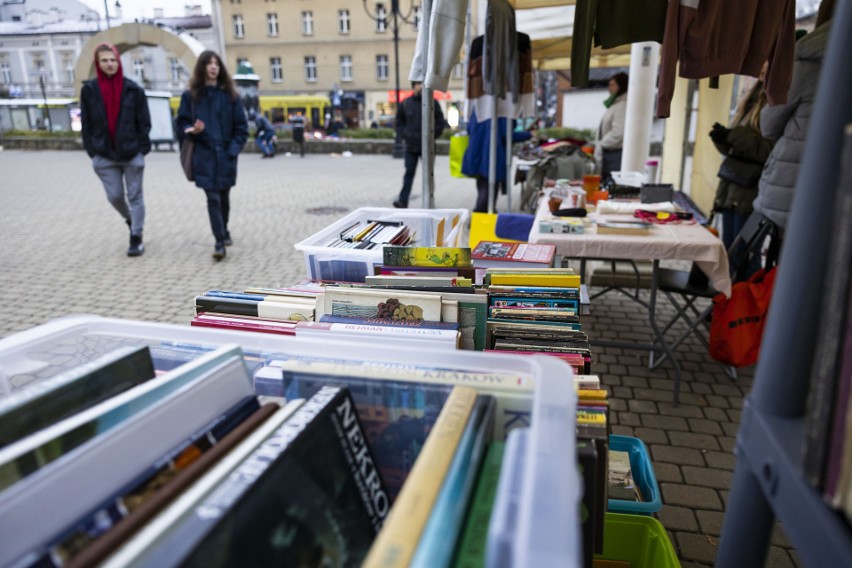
(640, 540)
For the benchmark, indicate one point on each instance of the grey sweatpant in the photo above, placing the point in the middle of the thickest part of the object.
(116, 176)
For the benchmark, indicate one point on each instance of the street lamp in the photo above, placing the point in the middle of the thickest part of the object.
(398, 147)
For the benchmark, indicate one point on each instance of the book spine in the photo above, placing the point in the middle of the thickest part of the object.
(225, 305)
(379, 330)
(562, 281)
(396, 543)
(255, 327)
(422, 324)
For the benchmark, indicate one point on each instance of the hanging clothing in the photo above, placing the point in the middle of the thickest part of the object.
(500, 71)
(446, 36)
(710, 39)
(611, 23)
(475, 161)
(481, 103)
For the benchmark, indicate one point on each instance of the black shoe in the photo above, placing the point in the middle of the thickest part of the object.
(219, 251)
(228, 242)
(136, 247)
(400, 205)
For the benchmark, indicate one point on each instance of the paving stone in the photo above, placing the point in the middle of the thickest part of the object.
(652, 436)
(779, 538)
(679, 456)
(691, 440)
(700, 388)
(697, 546)
(727, 443)
(701, 426)
(623, 393)
(707, 477)
(622, 430)
(628, 419)
(710, 521)
(717, 401)
(778, 558)
(716, 414)
(618, 405)
(734, 415)
(665, 422)
(637, 382)
(682, 410)
(689, 496)
(642, 406)
(730, 429)
(667, 472)
(653, 394)
(678, 518)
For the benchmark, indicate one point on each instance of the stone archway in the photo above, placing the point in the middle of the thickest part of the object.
(127, 36)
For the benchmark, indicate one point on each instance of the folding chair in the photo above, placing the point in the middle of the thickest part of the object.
(691, 285)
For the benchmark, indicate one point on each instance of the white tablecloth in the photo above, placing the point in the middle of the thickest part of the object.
(666, 242)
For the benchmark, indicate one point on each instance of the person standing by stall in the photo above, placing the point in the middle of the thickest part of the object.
(115, 130)
(265, 137)
(409, 127)
(212, 114)
(298, 122)
(611, 131)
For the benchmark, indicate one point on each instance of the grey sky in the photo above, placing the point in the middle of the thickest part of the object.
(145, 8)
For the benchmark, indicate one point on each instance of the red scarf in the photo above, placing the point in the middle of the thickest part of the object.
(111, 90)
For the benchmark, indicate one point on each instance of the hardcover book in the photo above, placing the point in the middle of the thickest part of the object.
(365, 303)
(490, 254)
(426, 256)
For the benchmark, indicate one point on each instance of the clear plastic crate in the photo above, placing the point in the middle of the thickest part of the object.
(353, 265)
(547, 523)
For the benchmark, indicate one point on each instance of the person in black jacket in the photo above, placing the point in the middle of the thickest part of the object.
(212, 114)
(116, 124)
(409, 127)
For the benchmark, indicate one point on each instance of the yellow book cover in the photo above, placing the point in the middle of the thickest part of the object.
(557, 280)
(397, 541)
(426, 256)
(592, 394)
(584, 417)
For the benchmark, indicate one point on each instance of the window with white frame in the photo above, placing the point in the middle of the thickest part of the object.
(343, 21)
(174, 70)
(6, 72)
(381, 18)
(68, 70)
(307, 23)
(239, 26)
(272, 24)
(138, 67)
(310, 68)
(276, 72)
(345, 67)
(382, 67)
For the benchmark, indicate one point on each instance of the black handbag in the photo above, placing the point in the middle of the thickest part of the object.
(740, 172)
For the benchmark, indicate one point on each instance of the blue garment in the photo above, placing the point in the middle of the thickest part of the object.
(475, 162)
(214, 157)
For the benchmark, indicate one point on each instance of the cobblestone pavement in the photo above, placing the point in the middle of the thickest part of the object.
(63, 252)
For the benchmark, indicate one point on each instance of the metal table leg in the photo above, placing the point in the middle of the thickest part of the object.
(660, 338)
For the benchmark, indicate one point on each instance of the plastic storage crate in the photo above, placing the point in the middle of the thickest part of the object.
(643, 475)
(641, 541)
(547, 523)
(353, 265)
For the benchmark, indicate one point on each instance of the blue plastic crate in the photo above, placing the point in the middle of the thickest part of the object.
(643, 475)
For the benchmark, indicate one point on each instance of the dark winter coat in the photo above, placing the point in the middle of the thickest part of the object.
(409, 122)
(788, 124)
(134, 123)
(745, 143)
(476, 157)
(214, 158)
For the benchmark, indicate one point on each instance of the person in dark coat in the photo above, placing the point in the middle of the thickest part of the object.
(212, 115)
(115, 128)
(265, 137)
(409, 127)
(298, 122)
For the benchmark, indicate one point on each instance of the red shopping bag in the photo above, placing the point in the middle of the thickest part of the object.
(738, 321)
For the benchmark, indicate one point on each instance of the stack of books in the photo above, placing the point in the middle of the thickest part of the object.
(264, 310)
(368, 235)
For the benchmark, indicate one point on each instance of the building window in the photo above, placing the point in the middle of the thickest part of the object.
(458, 71)
(310, 68)
(272, 24)
(239, 26)
(6, 73)
(275, 69)
(343, 21)
(382, 67)
(69, 71)
(307, 23)
(416, 17)
(381, 18)
(345, 67)
(138, 67)
(174, 69)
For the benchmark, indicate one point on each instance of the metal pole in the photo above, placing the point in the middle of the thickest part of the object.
(492, 157)
(398, 147)
(106, 13)
(428, 120)
(508, 183)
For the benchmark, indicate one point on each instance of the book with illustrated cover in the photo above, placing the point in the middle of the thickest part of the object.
(310, 494)
(47, 402)
(620, 478)
(491, 254)
(366, 303)
(424, 281)
(426, 256)
(521, 301)
(535, 280)
(397, 542)
(264, 309)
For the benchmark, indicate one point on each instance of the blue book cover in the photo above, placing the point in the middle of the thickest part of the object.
(510, 302)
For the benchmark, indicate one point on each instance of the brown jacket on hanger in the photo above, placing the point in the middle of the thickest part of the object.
(712, 38)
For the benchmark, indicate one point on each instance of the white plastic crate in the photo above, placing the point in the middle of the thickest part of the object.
(546, 522)
(353, 265)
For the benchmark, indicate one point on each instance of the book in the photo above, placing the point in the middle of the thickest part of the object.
(425, 281)
(517, 300)
(490, 254)
(470, 553)
(426, 256)
(444, 526)
(397, 542)
(533, 280)
(47, 402)
(447, 325)
(620, 478)
(265, 309)
(615, 227)
(226, 321)
(562, 226)
(587, 460)
(126, 435)
(365, 303)
(92, 539)
(308, 493)
(446, 338)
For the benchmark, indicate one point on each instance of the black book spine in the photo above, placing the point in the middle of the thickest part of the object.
(225, 306)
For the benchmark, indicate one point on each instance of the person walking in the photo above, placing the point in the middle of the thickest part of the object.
(115, 129)
(265, 137)
(298, 122)
(212, 115)
(611, 131)
(409, 127)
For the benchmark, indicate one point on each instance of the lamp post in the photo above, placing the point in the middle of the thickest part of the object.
(398, 146)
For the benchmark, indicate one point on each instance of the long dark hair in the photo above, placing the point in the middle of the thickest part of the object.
(621, 80)
(199, 76)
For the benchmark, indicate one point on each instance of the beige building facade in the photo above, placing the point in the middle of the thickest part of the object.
(327, 47)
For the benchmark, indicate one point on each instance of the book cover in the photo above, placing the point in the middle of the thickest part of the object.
(596, 434)
(426, 256)
(397, 542)
(448, 325)
(445, 337)
(627, 228)
(536, 280)
(364, 303)
(529, 301)
(498, 254)
(410, 281)
(244, 324)
(47, 402)
(470, 552)
(587, 459)
(310, 494)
